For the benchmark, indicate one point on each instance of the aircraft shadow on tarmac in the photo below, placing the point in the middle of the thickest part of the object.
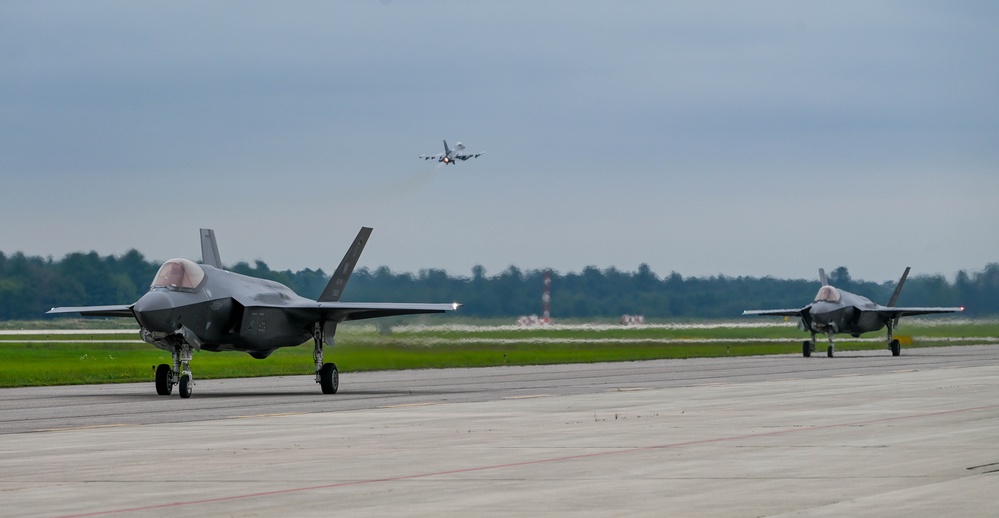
(142, 395)
(341, 395)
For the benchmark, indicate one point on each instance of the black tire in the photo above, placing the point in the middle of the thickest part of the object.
(829, 351)
(163, 385)
(329, 378)
(806, 349)
(896, 348)
(186, 386)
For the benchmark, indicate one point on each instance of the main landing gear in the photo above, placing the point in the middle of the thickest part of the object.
(894, 345)
(167, 377)
(327, 375)
(808, 346)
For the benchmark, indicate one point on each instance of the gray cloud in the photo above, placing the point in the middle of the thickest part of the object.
(764, 138)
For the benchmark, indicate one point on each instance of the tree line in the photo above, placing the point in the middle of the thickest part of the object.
(29, 286)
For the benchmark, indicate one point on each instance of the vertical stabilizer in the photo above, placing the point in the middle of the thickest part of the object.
(447, 151)
(210, 249)
(339, 278)
(823, 278)
(898, 289)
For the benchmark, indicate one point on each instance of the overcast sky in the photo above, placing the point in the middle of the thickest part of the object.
(736, 138)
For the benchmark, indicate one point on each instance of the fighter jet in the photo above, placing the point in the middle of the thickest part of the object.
(837, 311)
(450, 155)
(194, 307)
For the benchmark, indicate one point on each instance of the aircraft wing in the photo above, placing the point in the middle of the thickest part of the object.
(122, 310)
(343, 311)
(466, 157)
(775, 312)
(432, 157)
(887, 313)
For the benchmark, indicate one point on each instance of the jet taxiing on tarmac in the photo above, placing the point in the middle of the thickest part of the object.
(838, 311)
(450, 155)
(192, 307)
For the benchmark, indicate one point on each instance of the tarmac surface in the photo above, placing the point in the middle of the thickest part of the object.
(864, 433)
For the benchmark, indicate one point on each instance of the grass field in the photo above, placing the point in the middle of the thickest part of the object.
(76, 356)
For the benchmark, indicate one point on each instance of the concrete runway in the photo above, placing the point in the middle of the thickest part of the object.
(864, 433)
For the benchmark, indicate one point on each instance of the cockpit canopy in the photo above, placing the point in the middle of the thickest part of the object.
(827, 294)
(182, 274)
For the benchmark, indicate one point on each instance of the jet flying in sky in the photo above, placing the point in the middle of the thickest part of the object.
(450, 155)
(838, 311)
(192, 307)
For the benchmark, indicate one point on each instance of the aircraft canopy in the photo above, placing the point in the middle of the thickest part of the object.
(179, 274)
(827, 294)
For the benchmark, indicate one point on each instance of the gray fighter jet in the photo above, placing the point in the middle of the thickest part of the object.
(838, 311)
(450, 155)
(192, 307)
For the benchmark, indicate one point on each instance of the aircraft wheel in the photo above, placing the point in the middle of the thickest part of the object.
(329, 378)
(829, 351)
(896, 348)
(806, 349)
(163, 385)
(186, 386)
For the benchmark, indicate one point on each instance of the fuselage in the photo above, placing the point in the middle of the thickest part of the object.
(220, 310)
(839, 311)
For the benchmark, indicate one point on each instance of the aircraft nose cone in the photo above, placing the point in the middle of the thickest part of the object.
(821, 313)
(153, 301)
(823, 308)
(153, 311)
(832, 316)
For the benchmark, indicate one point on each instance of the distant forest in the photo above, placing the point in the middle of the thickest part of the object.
(29, 286)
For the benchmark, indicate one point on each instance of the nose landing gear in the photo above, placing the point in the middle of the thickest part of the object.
(179, 374)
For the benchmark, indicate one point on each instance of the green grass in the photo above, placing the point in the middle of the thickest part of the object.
(58, 359)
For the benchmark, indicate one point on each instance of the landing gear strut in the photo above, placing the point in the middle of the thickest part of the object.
(182, 364)
(327, 375)
(832, 348)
